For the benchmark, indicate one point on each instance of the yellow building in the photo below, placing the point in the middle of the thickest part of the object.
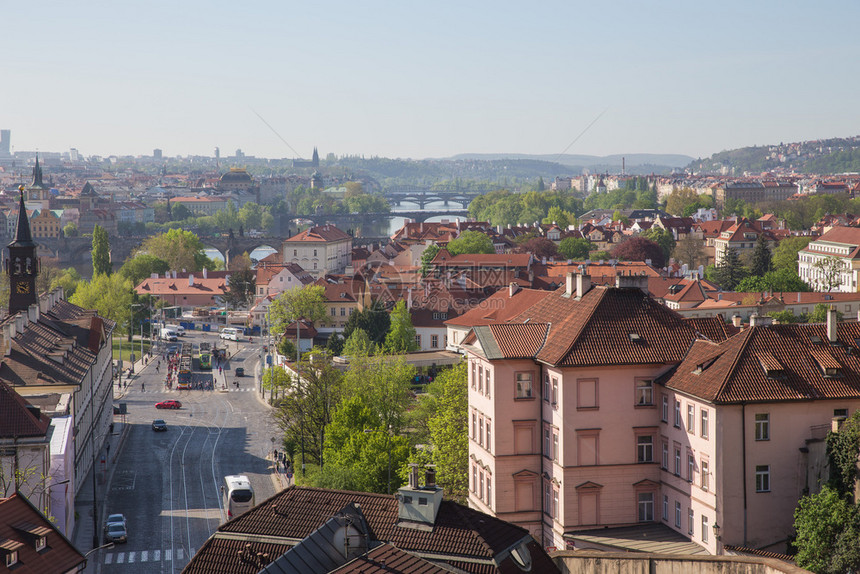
(45, 223)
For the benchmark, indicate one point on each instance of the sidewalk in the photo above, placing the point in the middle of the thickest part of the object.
(104, 469)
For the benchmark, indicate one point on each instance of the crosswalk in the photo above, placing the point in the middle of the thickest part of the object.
(133, 557)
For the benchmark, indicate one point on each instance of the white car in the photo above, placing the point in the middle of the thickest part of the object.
(180, 330)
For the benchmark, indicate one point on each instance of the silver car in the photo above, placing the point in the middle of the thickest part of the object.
(116, 528)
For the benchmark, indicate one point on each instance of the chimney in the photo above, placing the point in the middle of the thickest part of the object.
(513, 288)
(33, 313)
(19, 322)
(191, 280)
(831, 326)
(798, 296)
(569, 285)
(409, 297)
(430, 476)
(737, 321)
(417, 506)
(583, 284)
(632, 281)
(205, 273)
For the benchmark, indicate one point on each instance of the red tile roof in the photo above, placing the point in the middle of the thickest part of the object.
(321, 233)
(444, 259)
(20, 526)
(162, 286)
(388, 559)
(609, 326)
(499, 307)
(737, 369)
(16, 419)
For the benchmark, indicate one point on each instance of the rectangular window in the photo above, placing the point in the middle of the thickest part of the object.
(555, 445)
(555, 513)
(645, 449)
(691, 518)
(704, 529)
(665, 460)
(664, 415)
(474, 375)
(434, 341)
(678, 414)
(644, 393)
(646, 506)
(546, 388)
(480, 378)
(524, 385)
(481, 485)
(691, 418)
(704, 429)
(489, 433)
(677, 514)
(333, 311)
(547, 499)
(418, 341)
(481, 431)
(554, 391)
(691, 467)
(474, 426)
(586, 394)
(677, 461)
(489, 490)
(762, 478)
(705, 478)
(487, 385)
(762, 426)
(474, 478)
(547, 445)
(11, 558)
(666, 507)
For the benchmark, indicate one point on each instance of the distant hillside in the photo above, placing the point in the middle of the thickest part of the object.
(659, 163)
(836, 155)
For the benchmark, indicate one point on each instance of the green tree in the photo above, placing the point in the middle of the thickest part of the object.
(358, 344)
(180, 248)
(663, 238)
(110, 295)
(819, 313)
(335, 344)
(828, 533)
(761, 257)
(179, 212)
(785, 316)
(141, 266)
(427, 258)
(443, 412)
(373, 320)
(276, 380)
(401, 333)
(730, 271)
(101, 251)
(70, 230)
(471, 242)
(752, 284)
(829, 271)
(575, 248)
(307, 303)
(842, 448)
(785, 252)
(68, 279)
(678, 201)
(562, 218)
(241, 288)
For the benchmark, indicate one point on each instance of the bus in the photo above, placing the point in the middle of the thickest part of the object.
(205, 356)
(183, 381)
(238, 495)
(231, 333)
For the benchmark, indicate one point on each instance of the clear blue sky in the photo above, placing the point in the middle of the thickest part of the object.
(429, 79)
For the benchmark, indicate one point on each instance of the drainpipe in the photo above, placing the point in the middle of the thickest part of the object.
(542, 493)
(744, 463)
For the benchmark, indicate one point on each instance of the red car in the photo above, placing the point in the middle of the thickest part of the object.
(168, 405)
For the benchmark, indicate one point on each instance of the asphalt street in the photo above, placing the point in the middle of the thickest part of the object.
(167, 484)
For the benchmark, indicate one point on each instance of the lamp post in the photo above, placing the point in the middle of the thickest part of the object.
(131, 331)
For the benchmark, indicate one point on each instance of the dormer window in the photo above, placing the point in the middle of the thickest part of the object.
(829, 366)
(634, 337)
(771, 365)
(701, 367)
(11, 558)
(41, 543)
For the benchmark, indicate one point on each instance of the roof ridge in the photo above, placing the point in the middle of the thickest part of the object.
(744, 342)
(587, 319)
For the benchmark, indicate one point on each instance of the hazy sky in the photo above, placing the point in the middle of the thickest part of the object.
(429, 79)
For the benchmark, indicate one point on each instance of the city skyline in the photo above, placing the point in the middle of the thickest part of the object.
(426, 81)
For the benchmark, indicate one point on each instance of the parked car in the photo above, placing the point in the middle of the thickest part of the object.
(168, 405)
(159, 425)
(180, 330)
(240, 372)
(116, 528)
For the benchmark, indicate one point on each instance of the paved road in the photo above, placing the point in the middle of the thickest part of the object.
(168, 483)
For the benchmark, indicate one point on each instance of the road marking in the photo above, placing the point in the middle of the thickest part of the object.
(120, 558)
(108, 557)
(130, 557)
(156, 556)
(167, 555)
(144, 554)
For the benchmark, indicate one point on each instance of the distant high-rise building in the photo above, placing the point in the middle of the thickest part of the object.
(5, 144)
(217, 153)
(74, 155)
(156, 154)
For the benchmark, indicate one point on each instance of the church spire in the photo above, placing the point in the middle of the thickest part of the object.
(23, 237)
(37, 174)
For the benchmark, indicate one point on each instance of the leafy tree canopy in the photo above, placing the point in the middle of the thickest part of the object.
(471, 242)
(101, 251)
(539, 247)
(180, 248)
(640, 249)
(401, 333)
(661, 237)
(575, 248)
(141, 266)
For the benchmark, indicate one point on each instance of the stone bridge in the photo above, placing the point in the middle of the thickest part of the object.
(423, 196)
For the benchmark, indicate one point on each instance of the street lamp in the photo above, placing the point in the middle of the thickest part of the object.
(716, 531)
(131, 332)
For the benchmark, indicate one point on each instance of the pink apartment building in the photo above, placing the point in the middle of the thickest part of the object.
(598, 407)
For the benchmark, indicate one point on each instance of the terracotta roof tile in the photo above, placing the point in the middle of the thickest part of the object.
(16, 419)
(388, 559)
(59, 556)
(320, 233)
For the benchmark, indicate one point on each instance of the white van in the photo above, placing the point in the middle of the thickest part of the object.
(230, 333)
(169, 334)
(237, 494)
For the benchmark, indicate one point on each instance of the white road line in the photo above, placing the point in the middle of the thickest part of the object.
(108, 557)
(144, 555)
(156, 556)
(131, 557)
(167, 554)
(120, 558)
